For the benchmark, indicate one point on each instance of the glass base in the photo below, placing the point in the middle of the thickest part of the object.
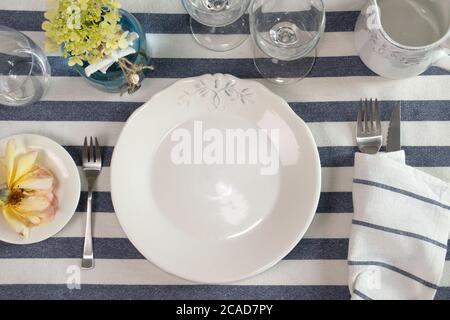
(219, 38)
(283, 72)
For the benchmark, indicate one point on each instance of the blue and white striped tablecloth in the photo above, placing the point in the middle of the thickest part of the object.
(326, 100)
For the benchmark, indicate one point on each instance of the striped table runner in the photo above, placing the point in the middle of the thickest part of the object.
(326, 100)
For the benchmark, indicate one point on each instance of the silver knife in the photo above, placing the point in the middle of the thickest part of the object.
(393, 138)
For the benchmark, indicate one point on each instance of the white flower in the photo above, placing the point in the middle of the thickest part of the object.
(27, 197)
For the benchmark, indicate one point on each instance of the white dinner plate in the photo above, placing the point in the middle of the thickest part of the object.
(57, 159)
(201, 218)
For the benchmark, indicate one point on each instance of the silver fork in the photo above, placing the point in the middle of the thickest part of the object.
(92, 165)
(368, 128)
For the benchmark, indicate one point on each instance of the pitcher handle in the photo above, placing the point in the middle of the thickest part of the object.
(443, 60)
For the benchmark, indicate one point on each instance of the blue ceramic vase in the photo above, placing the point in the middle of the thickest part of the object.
(114, 79)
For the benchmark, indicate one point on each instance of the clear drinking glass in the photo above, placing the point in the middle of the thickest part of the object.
(24, 69)
(286, 34)
(218, 24)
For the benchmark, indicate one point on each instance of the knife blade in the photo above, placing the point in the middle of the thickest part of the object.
(393, 138)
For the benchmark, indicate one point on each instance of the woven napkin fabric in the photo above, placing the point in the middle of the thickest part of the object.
(400, 229)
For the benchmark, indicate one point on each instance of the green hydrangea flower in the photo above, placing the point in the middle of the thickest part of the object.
(87, 30)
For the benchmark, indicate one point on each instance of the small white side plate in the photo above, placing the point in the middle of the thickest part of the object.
(57, 159)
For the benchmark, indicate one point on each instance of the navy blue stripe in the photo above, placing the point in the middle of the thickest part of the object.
(335, 202)
(101, 202)
(361, 295)
(394, 269)
(399, 232)
(119, 111)
(403, 192)
(435, 110)
(179, 24)
(427, 156)
(168, 292)
(337, 21)
(329, 202)
(121, 248)
(188, 292)
(245, 68)
(341, 21)
(431, 156)
(319, 249)
(166, 23)
(344, 66)
(71, 248)
(242, 68)
(71, 111)
(75, 152)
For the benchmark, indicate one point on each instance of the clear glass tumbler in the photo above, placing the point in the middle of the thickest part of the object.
(286, 34)
(218, 24)
(24, 69)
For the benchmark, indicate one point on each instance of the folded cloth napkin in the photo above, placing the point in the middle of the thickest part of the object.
(400, 228)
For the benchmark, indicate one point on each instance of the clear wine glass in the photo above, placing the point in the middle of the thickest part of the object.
(218, 25)
(24, 69)
(286, 34)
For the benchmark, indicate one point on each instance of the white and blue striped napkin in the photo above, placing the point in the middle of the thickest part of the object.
(400, 228)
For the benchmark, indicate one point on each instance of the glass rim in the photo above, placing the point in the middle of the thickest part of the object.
(314, 39)
(24, 77)
(202, 8)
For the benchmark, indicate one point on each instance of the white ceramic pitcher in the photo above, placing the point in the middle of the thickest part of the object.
(402, 38)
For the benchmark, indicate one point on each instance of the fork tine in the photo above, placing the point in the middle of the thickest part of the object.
(91, 151)
(372, 114)
(359, 124)
(366, 124)
(98, 155)
(377, 115)
(84, 151)
(368, 134)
